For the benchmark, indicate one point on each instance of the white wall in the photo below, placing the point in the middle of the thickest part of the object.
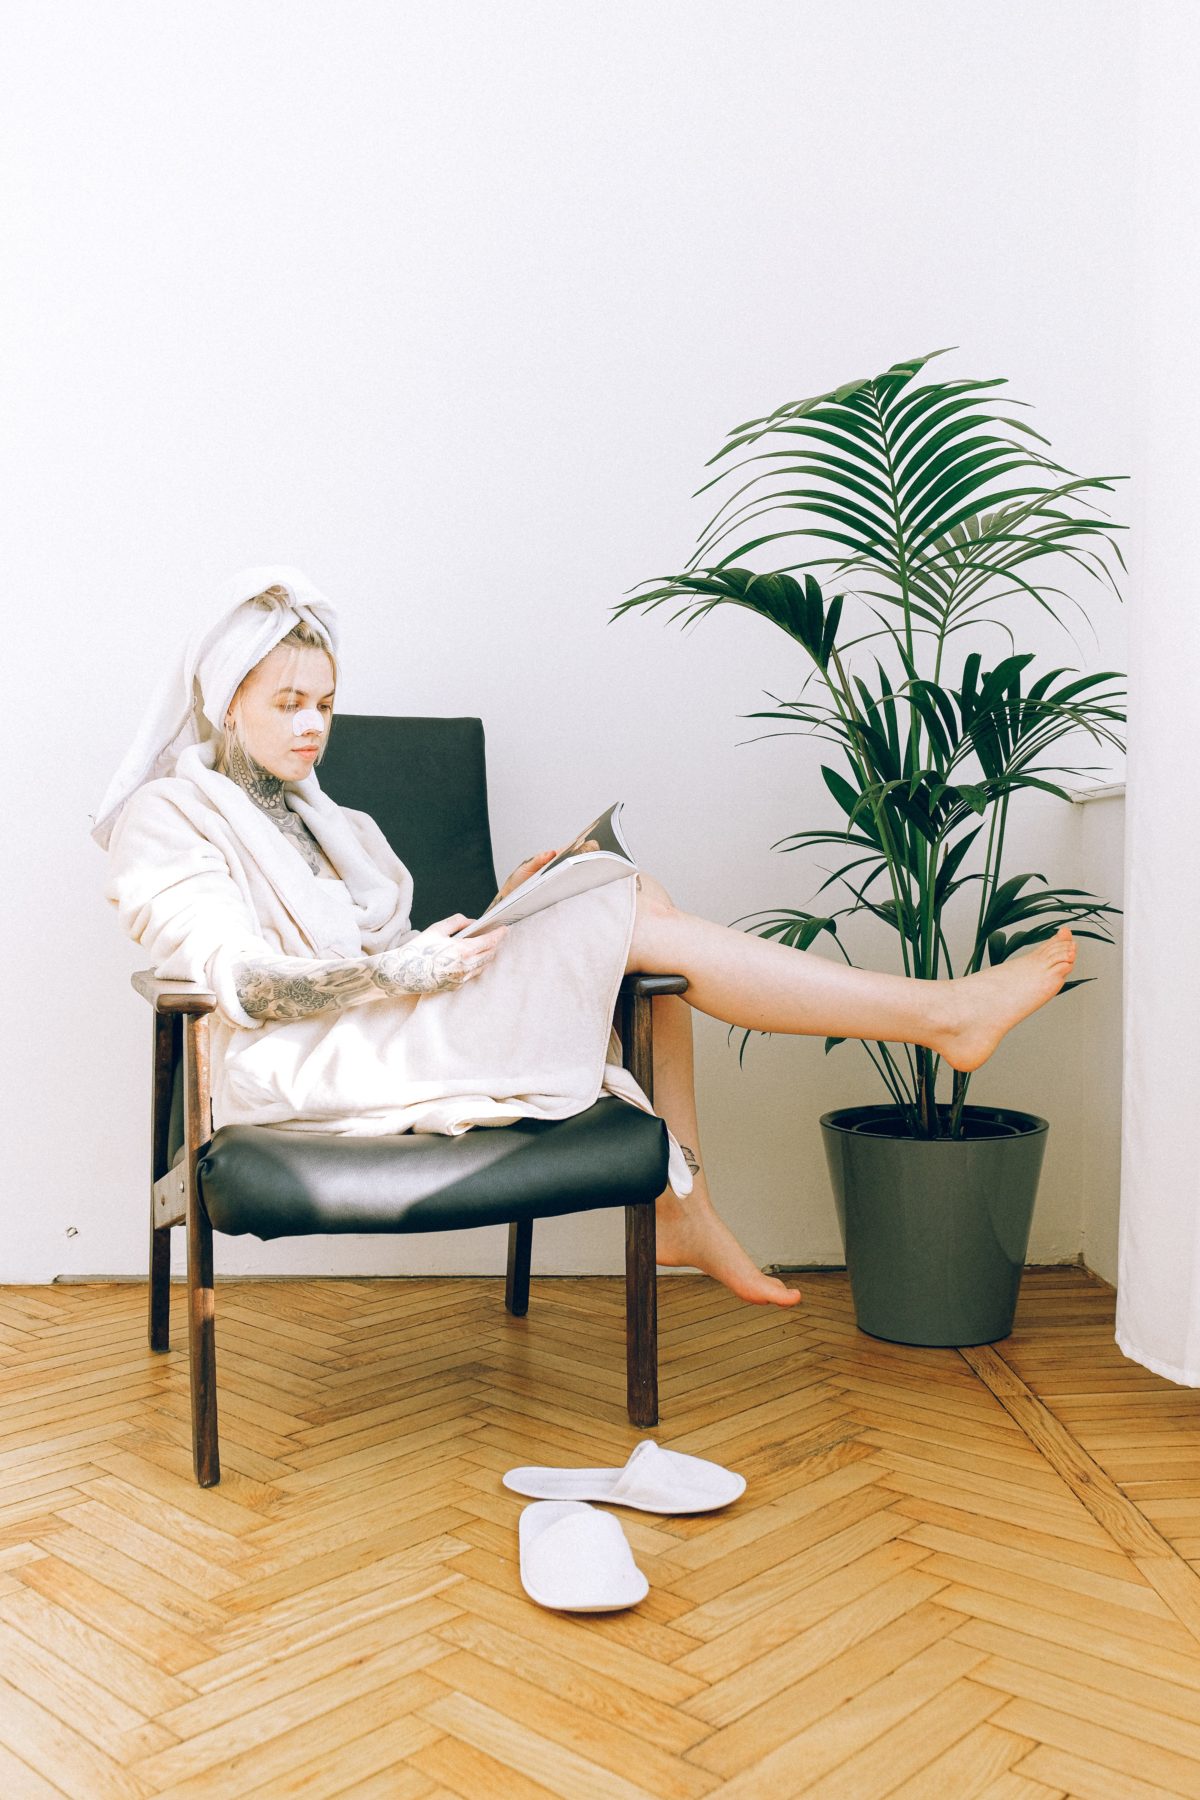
(449, 303)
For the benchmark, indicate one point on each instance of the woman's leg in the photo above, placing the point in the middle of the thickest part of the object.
(747, 981)
(690, 1233)
(766, 986)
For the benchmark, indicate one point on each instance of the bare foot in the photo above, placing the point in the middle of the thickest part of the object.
(990, 1003)
(692, 1234)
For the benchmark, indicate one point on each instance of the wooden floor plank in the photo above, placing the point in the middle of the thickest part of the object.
(603, 1696)
(317, 1759)
(577, 1729)
(1059, 1546)
(812, 1649)
(134, 1678)
(1131, 1717)
(59, 1753)
(242, 1747)
(1127, 1678)
(113, 1613)
(471, 1773)
(19, 1782)
(907, 1749)
(779, 1626)
(1134, 1642)
(796, 1762)
(1128, 1587)
(529, 1752)
(1114, 1751)
(1088, 1780)
(900, 1645)
(969, 1767)
(574, 1637)
(1014, 1786)
(1148, 1618)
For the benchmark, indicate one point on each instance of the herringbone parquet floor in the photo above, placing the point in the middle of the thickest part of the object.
(952, 1575)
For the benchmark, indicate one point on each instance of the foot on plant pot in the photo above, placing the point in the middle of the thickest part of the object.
(691, 1234)
(981, 1008)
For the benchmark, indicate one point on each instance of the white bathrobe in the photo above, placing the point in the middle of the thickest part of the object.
(202, 879)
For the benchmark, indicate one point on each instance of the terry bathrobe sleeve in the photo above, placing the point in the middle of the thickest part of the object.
(177, 895)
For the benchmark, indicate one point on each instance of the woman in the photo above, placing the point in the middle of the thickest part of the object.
(232, 868)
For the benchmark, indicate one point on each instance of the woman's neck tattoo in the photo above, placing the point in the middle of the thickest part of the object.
(267, 792)
(265, 789)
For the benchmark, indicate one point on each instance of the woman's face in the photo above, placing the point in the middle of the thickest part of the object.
(291, 686)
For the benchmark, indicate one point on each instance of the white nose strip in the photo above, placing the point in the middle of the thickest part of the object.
(308, 720)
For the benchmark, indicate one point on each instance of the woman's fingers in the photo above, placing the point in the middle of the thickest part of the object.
(478, 952)
(525, 869)
(455, 922)
(487, 944)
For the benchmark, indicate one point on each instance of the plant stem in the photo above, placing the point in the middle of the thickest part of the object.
(850, 716)
(961, 1083)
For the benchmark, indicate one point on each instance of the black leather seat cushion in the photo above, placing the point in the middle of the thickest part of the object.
(275, 1183)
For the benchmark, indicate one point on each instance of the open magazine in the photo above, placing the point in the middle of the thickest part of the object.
(573, 871)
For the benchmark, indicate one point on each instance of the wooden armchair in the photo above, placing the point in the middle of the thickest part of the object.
(270, 1183)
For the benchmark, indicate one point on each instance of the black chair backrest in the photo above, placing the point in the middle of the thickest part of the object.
(424, 782)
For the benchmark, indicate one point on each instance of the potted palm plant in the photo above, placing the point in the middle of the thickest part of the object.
(919, 516)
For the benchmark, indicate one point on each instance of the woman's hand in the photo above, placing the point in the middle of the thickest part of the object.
(434, 961)
(532, 864)
(524, 870)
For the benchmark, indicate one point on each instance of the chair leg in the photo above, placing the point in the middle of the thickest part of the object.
(516, 1283)
(165, 1050)
(202, 1348)
(641, 1316)
(641, 1279)
(160, 1287)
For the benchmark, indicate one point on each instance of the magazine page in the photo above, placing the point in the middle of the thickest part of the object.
(573, 871)
(605, 832)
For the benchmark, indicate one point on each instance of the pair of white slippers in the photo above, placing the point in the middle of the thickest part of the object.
(575, 1559)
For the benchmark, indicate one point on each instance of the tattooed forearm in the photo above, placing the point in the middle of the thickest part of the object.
(426, 966)
(292, 987)
(690, 1158)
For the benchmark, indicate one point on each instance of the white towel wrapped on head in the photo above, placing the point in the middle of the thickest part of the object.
(193, 695)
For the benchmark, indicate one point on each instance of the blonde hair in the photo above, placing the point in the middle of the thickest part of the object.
(302, 636)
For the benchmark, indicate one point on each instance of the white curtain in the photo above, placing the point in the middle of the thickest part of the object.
(1158, 1298)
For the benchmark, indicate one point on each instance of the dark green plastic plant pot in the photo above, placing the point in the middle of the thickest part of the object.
(935, 1230)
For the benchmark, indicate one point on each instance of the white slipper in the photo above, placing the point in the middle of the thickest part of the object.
(653, 1480)
(575, 1559)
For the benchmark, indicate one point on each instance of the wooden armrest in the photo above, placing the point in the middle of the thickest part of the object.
(173, 996)
(648, 986)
